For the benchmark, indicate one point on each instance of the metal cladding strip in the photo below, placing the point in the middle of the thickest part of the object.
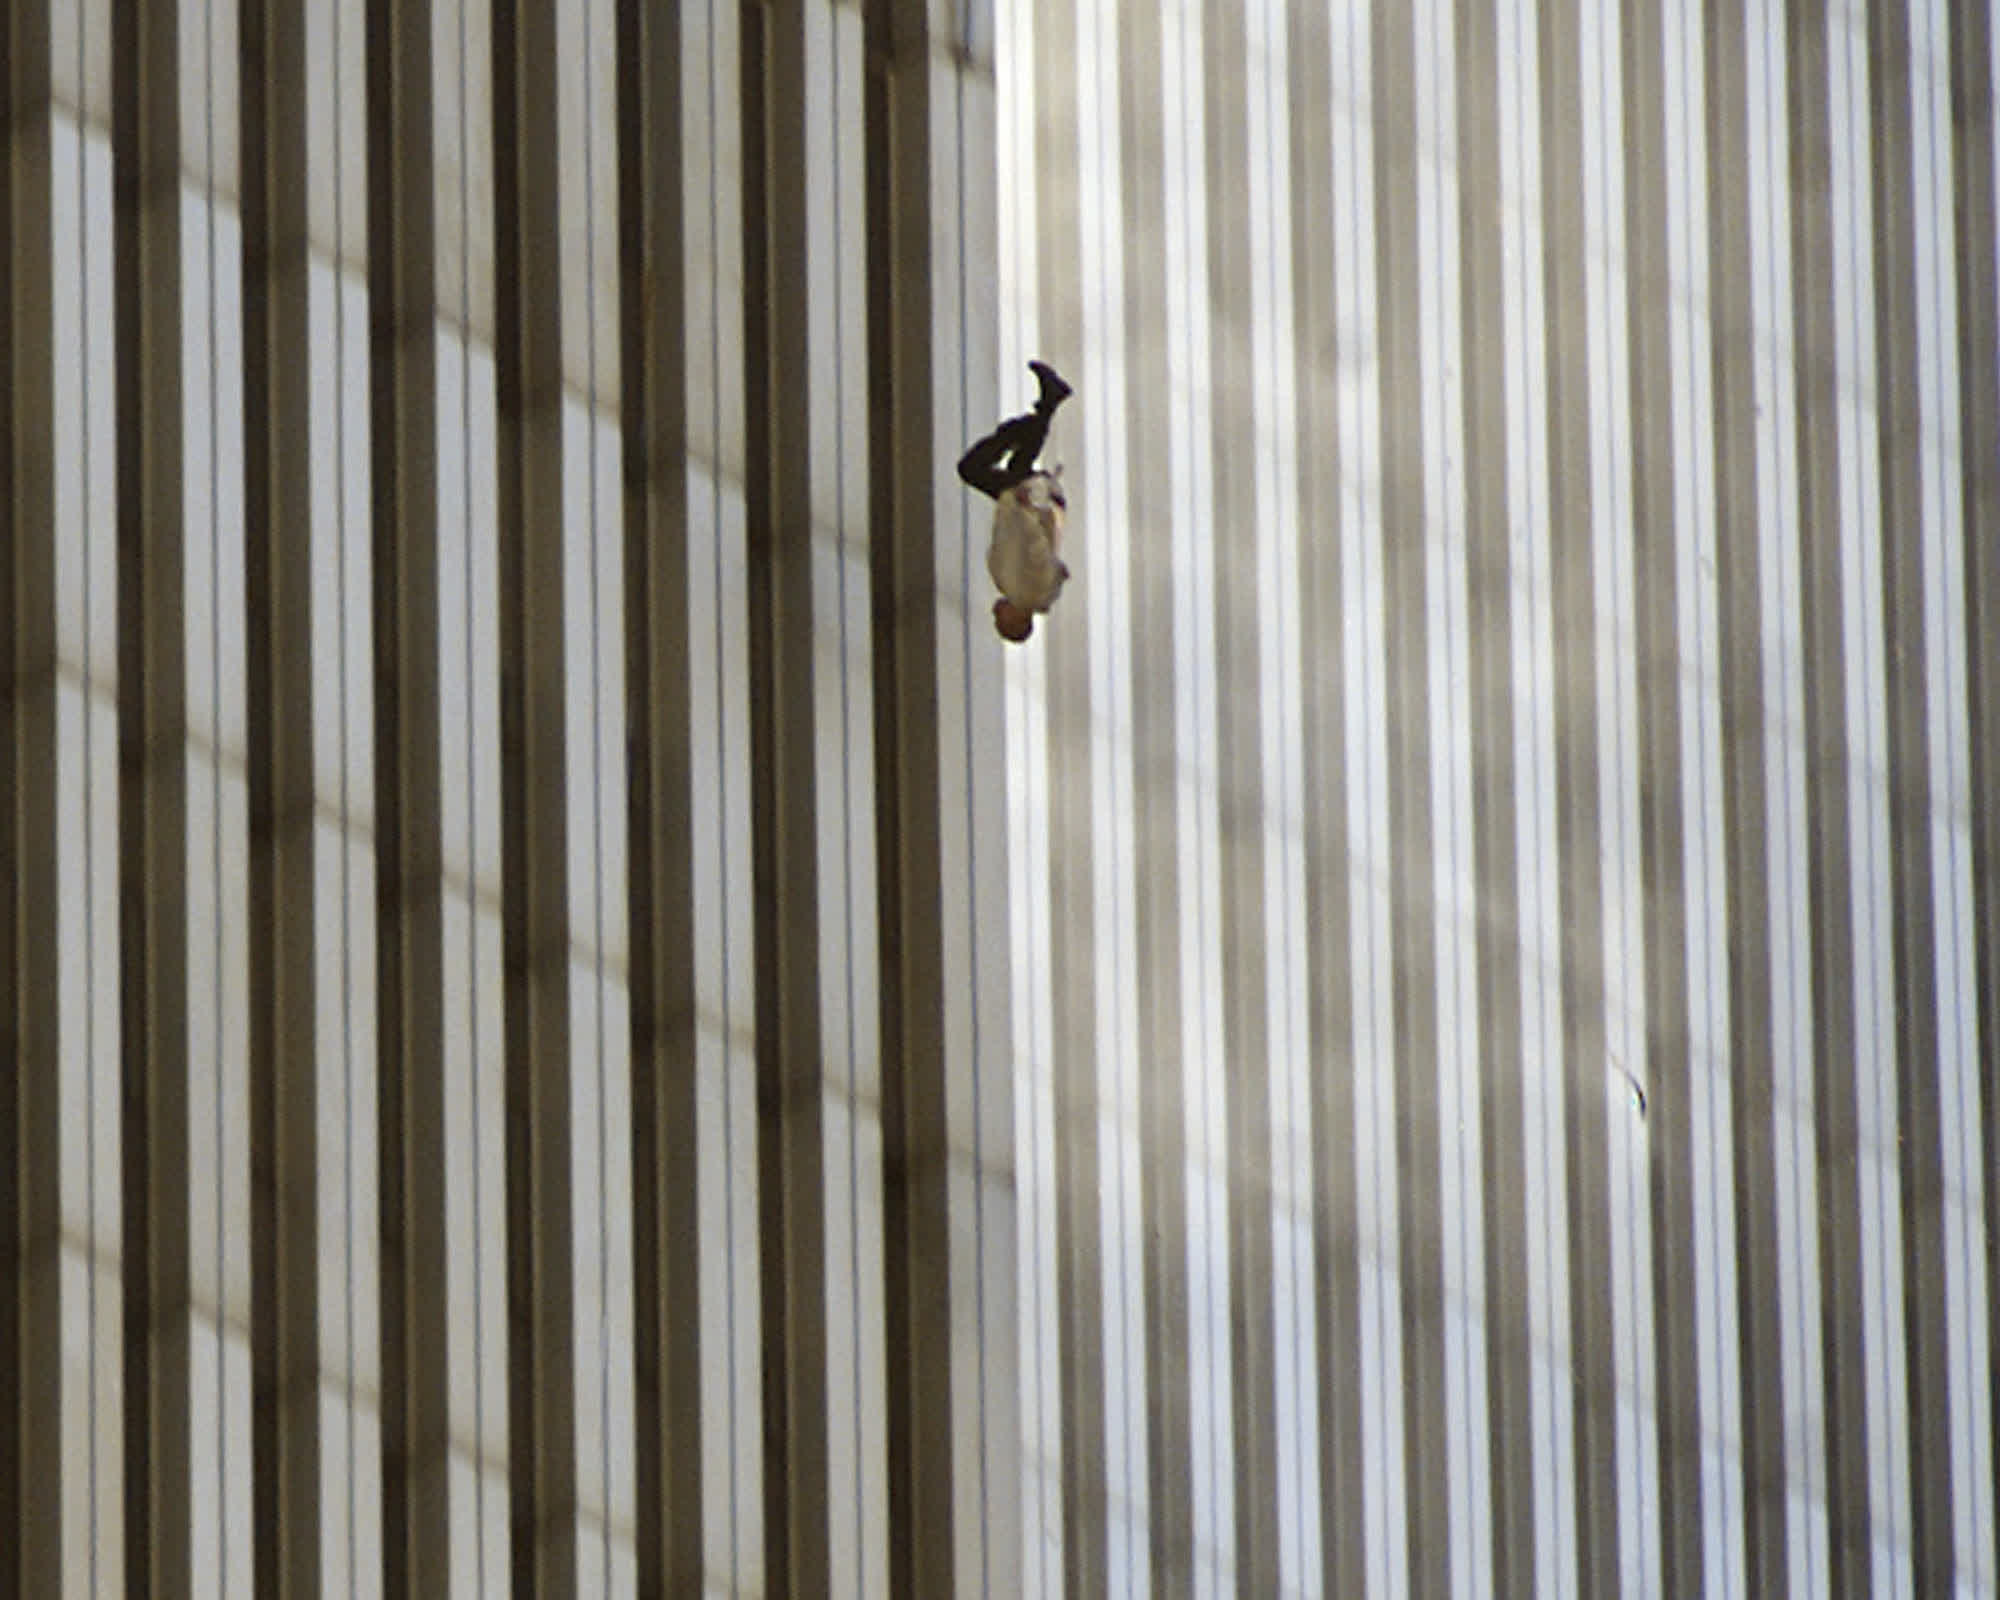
(1328, 1047)
(1159, 766)
(1656, 1145)
(1411, 869)
(940, 796)
(813, 772)
(1085, 1362)
(1759, 1547)
(1818, 323)
(1910, 520)
(1574, 516)
(1102, 481)
(1496, 620)
(1975, 161)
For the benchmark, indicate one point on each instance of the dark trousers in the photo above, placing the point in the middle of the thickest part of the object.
(1006, 456)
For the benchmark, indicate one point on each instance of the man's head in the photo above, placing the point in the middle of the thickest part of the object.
(1014, 623)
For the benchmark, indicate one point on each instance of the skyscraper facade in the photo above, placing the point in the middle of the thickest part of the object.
(574, 1022)
(1504, 874)
(504, 962)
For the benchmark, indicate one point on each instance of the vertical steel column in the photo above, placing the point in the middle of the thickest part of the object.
(528, 315)
(31, 1344)
(410, 1121)
(284, 1080)
(1977, 266)
(1495, 627)
(1749, 738)
(1663, 713)
(1410, 703)
(1338, 1294)
(1579, 827)
(153, 756)
(1899, 446)
(661, 618)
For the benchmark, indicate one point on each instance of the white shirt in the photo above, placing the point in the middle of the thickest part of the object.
(1027, 528)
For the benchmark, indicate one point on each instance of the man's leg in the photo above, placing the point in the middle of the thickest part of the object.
(1054, 390)
(1006, 455)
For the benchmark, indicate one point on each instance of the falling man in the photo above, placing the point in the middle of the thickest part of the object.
(1028, 517)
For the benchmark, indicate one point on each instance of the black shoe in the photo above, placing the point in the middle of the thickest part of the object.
(1054, 390)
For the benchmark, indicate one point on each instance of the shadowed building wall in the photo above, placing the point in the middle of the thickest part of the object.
(507, 1068)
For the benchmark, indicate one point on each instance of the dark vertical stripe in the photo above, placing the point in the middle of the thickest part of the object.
(1329, 982)
(152, 795)
(410, 1124)
(659, 617)
(277, 506)
(1157, 763)
(1239, 760)
(1409, 715)
(760, 337)
(541, 1399)
(1977, 266)
(913, 1209)
(1662, 828)
(1899, 445)
(1580, 896)
(1746, 737)
(31, 1347)
(1059, 222)
(1831, 869)
(1490, 656)
(921, 1343)
(779, 397)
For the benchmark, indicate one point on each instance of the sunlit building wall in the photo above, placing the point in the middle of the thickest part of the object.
(1505, 892)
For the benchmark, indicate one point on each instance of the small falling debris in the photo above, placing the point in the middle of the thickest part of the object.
(1638, 1089)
